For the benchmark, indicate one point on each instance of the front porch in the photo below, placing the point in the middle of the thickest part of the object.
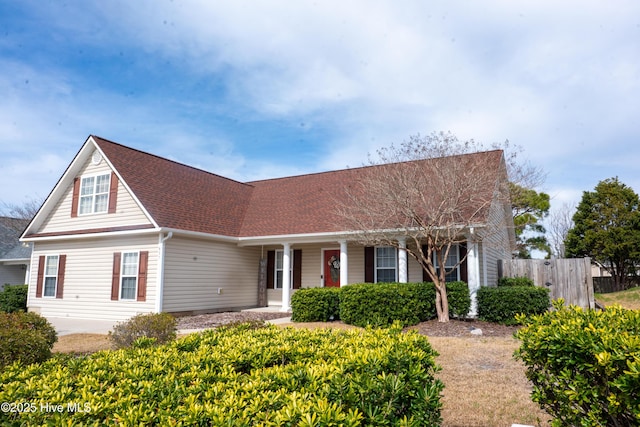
(291, 266)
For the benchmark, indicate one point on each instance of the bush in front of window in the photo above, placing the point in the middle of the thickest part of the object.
(159, 326)
(25, 338)
(381, 304)
(459, 299)
(14, 298)
(502, 304)
(315, 305)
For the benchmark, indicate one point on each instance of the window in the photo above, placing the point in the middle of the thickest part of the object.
(386, 264)
(50, 276)
(94, 194)
(129, 276)
(279, 269)
(452, 274)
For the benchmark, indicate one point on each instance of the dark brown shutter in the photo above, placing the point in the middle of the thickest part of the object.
(142, 275)
(297, 268)
(40, 279)
(463, 266)
(76, 197)
(271, 266)
(115, 278)
(113, 193)
(369, 264)
(62, 264)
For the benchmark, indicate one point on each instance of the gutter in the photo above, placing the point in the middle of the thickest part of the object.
(161, 251)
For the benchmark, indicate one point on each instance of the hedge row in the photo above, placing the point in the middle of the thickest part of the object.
(377, 304)
(503, 303)
(238, 377)
(584, 365)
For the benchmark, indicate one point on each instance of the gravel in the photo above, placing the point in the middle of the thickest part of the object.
(202, 321)
(433, 328)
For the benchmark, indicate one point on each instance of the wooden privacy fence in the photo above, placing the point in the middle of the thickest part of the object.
(567, 278)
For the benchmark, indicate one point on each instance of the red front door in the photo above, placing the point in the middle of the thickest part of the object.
(332, 268)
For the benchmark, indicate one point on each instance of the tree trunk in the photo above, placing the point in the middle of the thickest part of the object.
(442, 303)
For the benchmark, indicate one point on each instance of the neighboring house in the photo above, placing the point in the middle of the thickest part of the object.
(126, 232)
(14, 256)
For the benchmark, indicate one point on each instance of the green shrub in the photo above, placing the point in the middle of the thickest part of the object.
(381, 304)
(160, 326)
(241, 376)
(584, 365)
(502, 304)
(25, 337)
(315, 305)
(515, 281)
(14, 298)
(459, 299)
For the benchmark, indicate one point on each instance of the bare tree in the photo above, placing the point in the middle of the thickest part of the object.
(559, 223)
(16, 217)
(425, 196)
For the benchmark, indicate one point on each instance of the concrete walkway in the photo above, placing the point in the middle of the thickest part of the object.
(67, 326)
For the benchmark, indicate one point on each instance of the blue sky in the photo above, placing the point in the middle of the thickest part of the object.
(261, 89)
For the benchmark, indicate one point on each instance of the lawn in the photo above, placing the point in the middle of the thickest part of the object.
(629, 299)
(484, 385)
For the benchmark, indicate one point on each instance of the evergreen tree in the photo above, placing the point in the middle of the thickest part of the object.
(607, 229)
(529, 208)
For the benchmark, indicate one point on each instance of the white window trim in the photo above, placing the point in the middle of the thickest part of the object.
(128, 276)
(375, 263)
(455, 248)
(277, 285)
(93, 195)
(45, 276)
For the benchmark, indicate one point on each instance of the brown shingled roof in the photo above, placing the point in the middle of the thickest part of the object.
(186, 198)
(307, 203)
(179, 196)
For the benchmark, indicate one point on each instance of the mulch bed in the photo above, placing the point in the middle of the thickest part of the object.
(463, 328)
(432, 328)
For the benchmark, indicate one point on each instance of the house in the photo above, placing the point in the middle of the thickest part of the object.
(14, 256)
(126, 232)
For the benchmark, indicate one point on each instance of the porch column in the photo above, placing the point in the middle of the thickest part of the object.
(473, 275)
(402, 261)
(286, 278)
(344, 264)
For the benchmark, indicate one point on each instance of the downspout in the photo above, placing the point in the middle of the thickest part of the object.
(160, 289)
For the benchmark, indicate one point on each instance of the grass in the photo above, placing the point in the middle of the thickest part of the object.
(484, 385)
(629, 299)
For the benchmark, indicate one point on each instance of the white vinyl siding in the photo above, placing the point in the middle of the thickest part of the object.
(88, 278)
(128, 212)
(209, 275)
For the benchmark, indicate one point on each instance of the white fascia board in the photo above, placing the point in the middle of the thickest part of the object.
(15, 261)
(126, 186)
(295, 238)
(67, 177)
(105, 234)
